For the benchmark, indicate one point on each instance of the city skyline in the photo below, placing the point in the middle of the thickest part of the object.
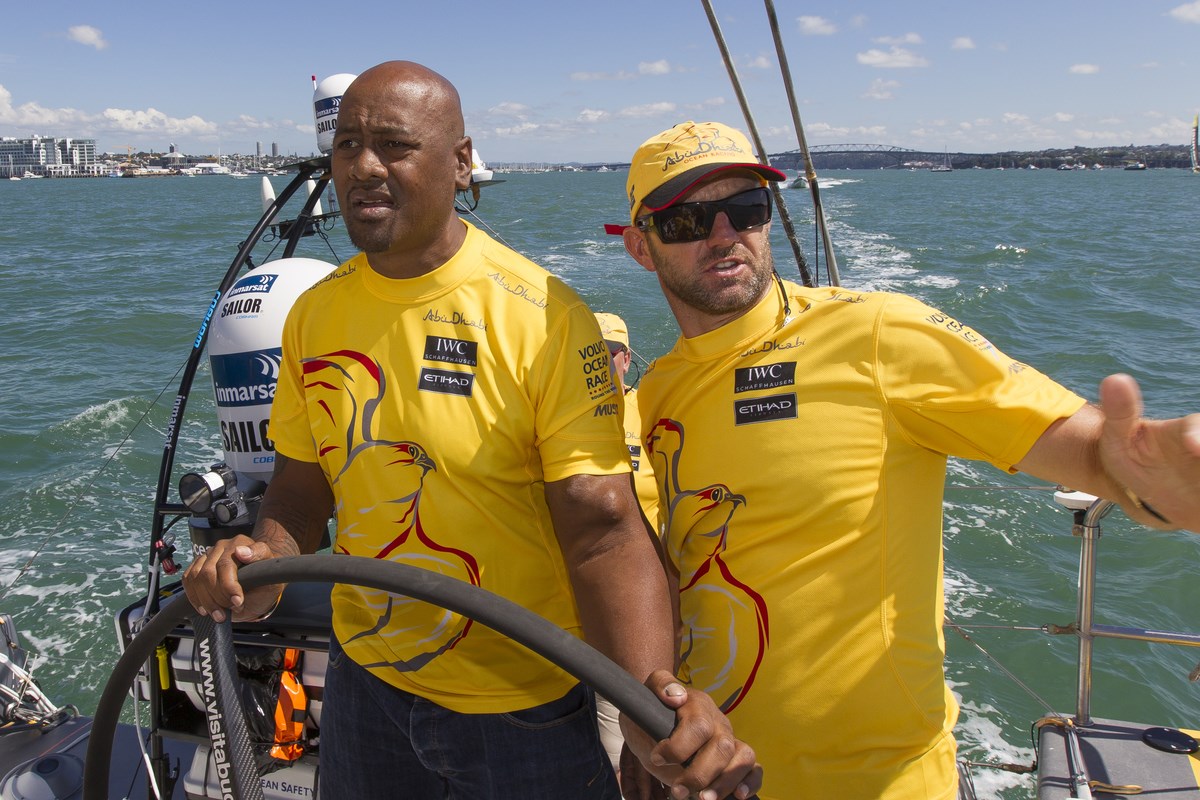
(580, 83)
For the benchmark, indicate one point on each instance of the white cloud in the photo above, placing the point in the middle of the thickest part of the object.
(648, 110)
(1188, 12)
(839, 133)
(962, 43)
(896, 58)
(761, 62)
(818, 26)
(154, 121)
(516, 130)
(593, 115)
(1063, 117)
(908, 38)
(881, 89)
(1084, 69)
(602, 76)
(660, 67)
(509, 109)
(86, 34)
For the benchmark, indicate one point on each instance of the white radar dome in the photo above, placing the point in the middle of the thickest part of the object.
(245, 351)
(327, 99)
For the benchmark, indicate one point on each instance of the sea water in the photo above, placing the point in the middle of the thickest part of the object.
(104, 283)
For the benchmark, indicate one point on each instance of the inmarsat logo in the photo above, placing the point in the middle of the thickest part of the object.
(325, 112)
(246, 379)
(258, 284)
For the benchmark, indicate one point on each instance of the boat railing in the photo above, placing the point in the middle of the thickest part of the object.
(1088, 512)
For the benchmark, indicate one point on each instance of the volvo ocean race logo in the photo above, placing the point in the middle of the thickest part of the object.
(246, 379)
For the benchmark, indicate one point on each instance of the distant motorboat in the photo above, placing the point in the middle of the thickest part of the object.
(1135, 165)
(799, 182)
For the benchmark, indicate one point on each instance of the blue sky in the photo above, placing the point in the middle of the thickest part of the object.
(588, 81)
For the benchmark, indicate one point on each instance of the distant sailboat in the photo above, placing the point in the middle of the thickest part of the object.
(1196, 143)
(944, 166)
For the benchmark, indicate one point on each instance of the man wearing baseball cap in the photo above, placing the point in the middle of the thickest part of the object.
(799, 438)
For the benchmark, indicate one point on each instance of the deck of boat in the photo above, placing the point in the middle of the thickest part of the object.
(1115, 754)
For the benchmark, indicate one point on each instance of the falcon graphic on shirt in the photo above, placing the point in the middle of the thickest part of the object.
(349, 390)
(725, 622)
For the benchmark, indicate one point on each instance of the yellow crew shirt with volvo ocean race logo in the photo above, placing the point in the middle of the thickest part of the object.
(800, 472)
(438, 407)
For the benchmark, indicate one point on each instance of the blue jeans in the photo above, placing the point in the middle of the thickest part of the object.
(379, 742)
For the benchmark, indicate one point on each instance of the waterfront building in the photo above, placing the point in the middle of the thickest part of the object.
(49, 156)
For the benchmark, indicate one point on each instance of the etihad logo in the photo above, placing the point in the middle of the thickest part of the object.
(764, 409)
(258, 284)
(764, 376)
(445, 381)
(452, 351)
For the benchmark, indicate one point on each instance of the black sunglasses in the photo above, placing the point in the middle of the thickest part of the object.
(691, 222)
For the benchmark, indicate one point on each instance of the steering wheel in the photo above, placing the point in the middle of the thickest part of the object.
(502, 615)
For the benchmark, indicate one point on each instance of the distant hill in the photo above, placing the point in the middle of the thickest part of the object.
(1153, 156)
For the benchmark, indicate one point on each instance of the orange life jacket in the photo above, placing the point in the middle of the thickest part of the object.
(291, 711)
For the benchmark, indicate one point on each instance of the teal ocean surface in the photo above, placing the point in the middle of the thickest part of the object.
(104, 284)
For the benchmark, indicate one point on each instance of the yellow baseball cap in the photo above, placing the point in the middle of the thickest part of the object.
(669, 164)
(613, 328)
